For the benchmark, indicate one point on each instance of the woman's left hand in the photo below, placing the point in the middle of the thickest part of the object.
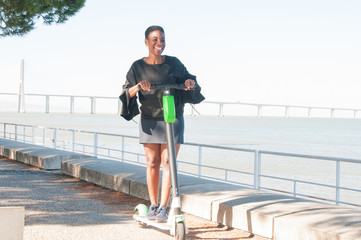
(189, 83)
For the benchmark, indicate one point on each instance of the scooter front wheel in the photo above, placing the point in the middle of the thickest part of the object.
(180, 231)
(141, 210)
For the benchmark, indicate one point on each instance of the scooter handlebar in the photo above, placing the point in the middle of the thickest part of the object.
(180, 86)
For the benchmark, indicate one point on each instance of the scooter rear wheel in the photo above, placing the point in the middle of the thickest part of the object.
(141, 224)
(180, 231)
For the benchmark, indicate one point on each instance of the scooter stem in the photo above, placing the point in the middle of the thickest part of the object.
(172, 165)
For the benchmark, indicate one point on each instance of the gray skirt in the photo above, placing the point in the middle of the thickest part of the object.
(154, 131)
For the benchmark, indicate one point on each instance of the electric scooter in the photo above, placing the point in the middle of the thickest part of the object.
(175, 223)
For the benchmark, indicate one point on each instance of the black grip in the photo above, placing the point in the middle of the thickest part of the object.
(168, 86)
(180, 86)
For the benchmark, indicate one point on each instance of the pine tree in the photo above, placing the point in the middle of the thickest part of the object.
(18, 17)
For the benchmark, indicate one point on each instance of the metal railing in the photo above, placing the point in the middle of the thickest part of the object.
(258, 108)
(72, 98)
(286, 108)
(128, 149)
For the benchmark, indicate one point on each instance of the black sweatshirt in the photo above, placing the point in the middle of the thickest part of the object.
(171, 71)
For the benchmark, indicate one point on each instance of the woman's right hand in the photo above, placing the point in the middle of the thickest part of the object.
(145, 85)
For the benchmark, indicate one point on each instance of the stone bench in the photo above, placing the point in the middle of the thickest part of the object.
(12, 223)
(270, 215)
(35, 155)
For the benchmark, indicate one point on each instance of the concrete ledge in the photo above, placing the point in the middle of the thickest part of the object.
(256, 211)
(205, 195)
(334, 223)
(12, 223)
(123, 177)
(39, 156)
(247, 209)
(273, 216)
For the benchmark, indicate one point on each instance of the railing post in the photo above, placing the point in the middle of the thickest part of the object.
(95, 144)
(333, 112)
(73, 141)
(24, 131)
(309, 112)
(92, 105)
(294, 188)
(72, 105)
(16, 132)
(259, 114)
(54, 140)
(199, 161)
(47, 102)
(355, 114)
(21, 104)
(257, 170)
(43, 136)
(4, 130)
(337, 182)
(33, 134)
(123, 148)
(220, 110)
(287, 111)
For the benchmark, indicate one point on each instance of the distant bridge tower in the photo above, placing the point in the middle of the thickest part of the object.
(21, 104)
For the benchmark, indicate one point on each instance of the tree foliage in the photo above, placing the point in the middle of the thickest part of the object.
(18, 17)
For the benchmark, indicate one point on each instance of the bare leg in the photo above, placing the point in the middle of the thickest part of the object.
(166, 174)
(152, 154)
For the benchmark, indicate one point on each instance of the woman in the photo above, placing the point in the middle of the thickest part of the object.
(156, 68)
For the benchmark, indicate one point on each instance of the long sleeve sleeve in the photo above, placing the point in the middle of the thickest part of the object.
(129, 107)
(192, 96)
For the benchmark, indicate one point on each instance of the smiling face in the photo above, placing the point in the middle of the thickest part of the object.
(155, 42)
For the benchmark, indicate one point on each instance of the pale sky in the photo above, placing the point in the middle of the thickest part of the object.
(261, 51)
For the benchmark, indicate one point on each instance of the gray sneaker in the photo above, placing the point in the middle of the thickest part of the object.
(162, 214)
(152, 212)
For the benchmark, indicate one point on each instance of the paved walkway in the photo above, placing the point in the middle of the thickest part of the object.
(61, 207)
